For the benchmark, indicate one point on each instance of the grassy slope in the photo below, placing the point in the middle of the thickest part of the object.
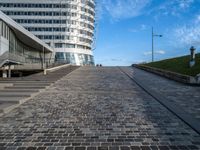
(179, 65)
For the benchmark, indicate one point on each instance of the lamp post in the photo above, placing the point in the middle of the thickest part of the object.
(154, 35)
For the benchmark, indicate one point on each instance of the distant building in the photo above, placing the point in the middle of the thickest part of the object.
(20, 49)
(65, 25)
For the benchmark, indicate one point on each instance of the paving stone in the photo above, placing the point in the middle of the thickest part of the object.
(80, 148)
(124, 148)
(163, 147)
(60, 148)
(31, 148)
(41, 148)
(2, 148)
(21, 148)
(192, 147)
(180, 94)
(154, 147)
(69, 148)
(95, 109)
(145, 148)
(102, 148)
(91, 148)
(51, 148)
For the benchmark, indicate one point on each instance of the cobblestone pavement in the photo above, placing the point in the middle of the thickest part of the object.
(95, 109)
(187, 97)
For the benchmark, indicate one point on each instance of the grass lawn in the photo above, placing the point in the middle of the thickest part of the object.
(178, 65)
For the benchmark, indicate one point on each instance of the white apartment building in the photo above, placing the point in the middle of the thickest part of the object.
(65, 25)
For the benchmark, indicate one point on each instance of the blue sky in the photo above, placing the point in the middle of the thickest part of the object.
(124, 30)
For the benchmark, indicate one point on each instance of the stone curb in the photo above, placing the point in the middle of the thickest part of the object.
(55, 68)
(171, 75)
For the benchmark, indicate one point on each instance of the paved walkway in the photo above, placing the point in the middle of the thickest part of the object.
(187, 97)
(95, 109)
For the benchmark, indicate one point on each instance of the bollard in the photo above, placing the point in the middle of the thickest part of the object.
(45, 72)
(192, 56)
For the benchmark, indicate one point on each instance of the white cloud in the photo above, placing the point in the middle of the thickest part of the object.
(171, 7)
(120, 9)
(147, 53)
(133, 30)
(197, 19)
(160, 52)
(141, 28)
(187, 35)
(113, 61)
(185, 3)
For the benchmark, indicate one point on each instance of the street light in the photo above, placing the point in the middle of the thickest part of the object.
(157, 35)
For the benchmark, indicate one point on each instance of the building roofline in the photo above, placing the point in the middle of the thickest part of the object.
(31, 39)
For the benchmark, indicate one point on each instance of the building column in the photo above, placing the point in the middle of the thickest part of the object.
(4, 74)
(77, 59)
(9, 71)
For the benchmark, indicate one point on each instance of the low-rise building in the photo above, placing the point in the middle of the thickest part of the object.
(20, 49)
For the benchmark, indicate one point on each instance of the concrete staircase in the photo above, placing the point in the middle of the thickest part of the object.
(15, 91)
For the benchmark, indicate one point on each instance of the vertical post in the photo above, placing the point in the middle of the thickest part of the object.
(152, 45)
(9, 71)
(192, 56)
(43, 62)
(4, 73)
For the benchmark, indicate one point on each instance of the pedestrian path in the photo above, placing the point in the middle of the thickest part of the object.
(187, 97)
(95, 108)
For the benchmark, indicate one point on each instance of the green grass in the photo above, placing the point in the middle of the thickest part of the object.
(178, 65)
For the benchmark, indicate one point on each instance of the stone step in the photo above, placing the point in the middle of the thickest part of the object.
(23, 81)
(15, 94)
(13, 100)
(20, 90)
(3, 85)
(31, 84)
(26, 87)
(8, 100)
(44, 80)
(47, 78)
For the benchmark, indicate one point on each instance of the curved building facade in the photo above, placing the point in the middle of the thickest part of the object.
(65, 25)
